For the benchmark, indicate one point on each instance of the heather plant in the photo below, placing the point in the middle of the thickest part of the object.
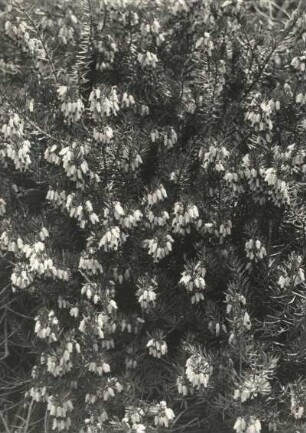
(152, 241)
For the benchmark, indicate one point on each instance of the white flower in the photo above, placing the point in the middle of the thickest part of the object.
(236, 394)
(118, 210)
(147, 59)
(159, 251)
(254, 426)
(139, 428)
(240, 425)
(62, 90)
(163, 415)
(82, 326)
(74, 312)
(270, 176)
(297, 411)
(110, 241)
(157, 347)
(198, 371)
(255, 250)
(2, 206)
(183, 387)
(155, 26)
(246, 321)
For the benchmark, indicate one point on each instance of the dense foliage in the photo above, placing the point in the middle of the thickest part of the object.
(152, 245)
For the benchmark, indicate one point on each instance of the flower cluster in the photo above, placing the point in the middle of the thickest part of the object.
(35, 262)
(51, 156)
(251, 425)
(214, 158)
(233, 299)
(184, 216)
(38, 393)
(104, 135)
(157, 345)
(234, 180)
(105, 297)
(57, 198)
(72, 204)
(74, 162)
(131, 220)
(167, 136)
(198, 371)
(90, 265)
(291, 160)
(95, 423)
(260, 113)
(127, 100)
(59, 411)
(133, 417)
(14, 127)
(146, 293)
(239, 318)
(264, 184)
(253, 385)
(279, 192)
(183, 386)
(215, 327)
(72, 106)
(47, 326)
(159, 248)
(16, 147)
(157, 195)
(193, 279)
(292, 273)
(157, 220)
(112, 387)
(82, 213)
(130, 159)
(21, 32)
(21, 277)
(99, 367)
(299, 62)
(147, 59)
(101, 325)
(104, 104)
(163, 415)
(111, 239)
(254, 249)
(153, 29)
(224, 230)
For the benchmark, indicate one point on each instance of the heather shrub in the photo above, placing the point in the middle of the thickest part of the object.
(152, 241)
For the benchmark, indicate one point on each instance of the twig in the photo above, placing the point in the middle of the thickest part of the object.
(28, 417)
(5, 425)
(5, 341)
(46, 429)
(18, 314)
(281, 9)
